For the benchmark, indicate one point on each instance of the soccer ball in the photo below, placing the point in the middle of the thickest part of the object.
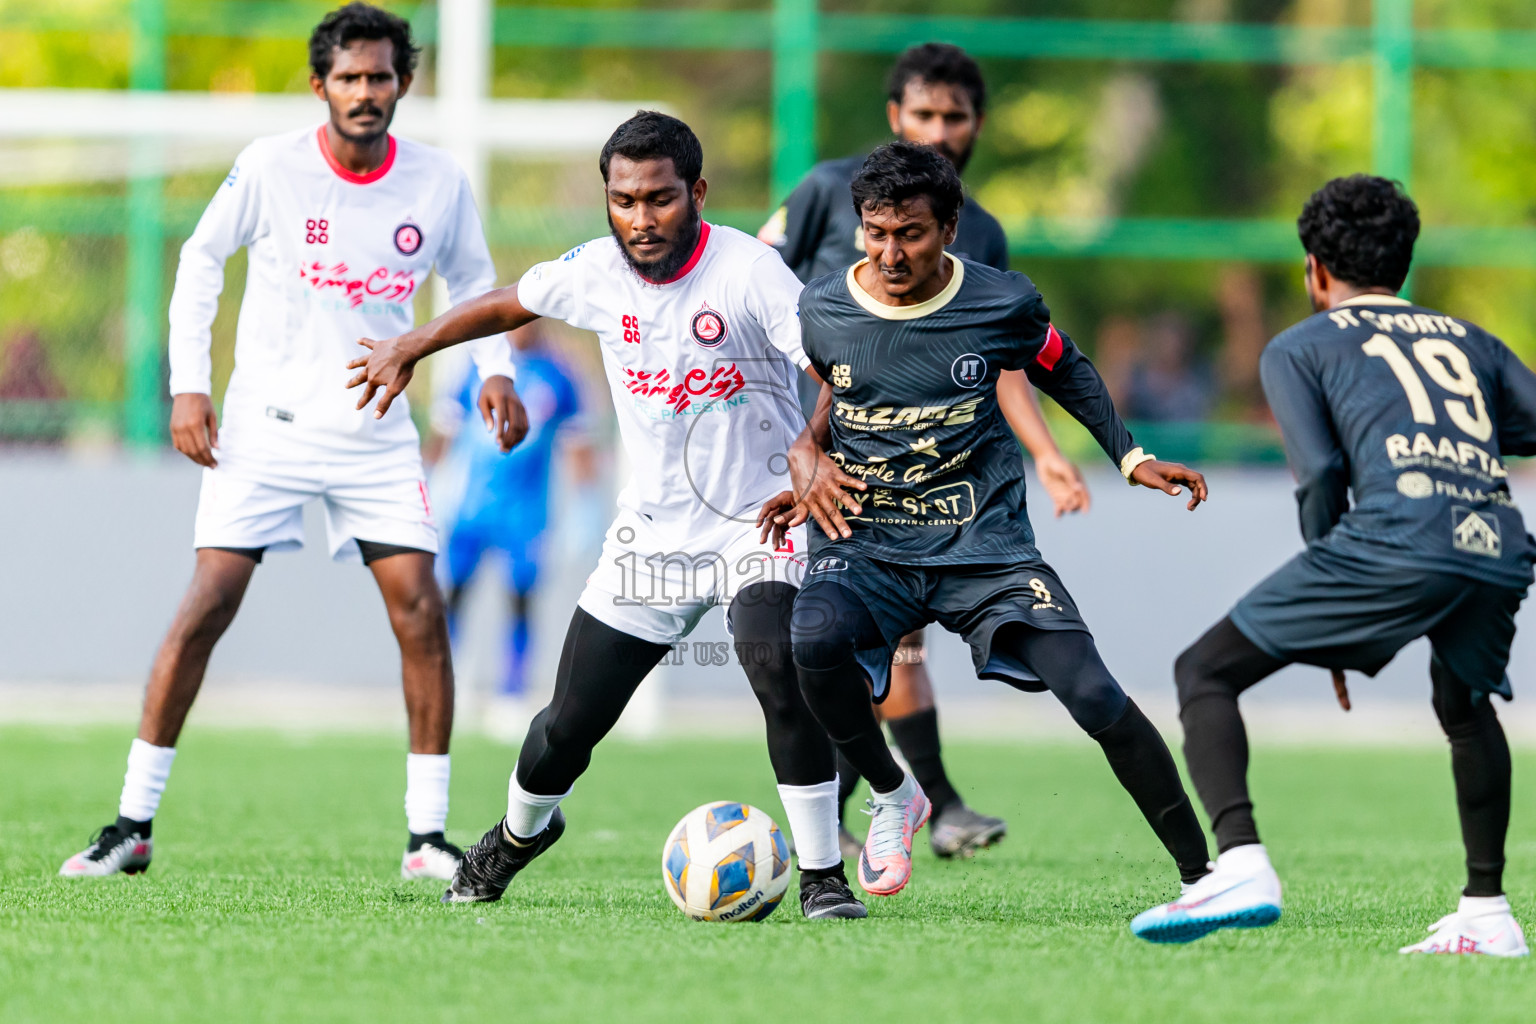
(726, 861)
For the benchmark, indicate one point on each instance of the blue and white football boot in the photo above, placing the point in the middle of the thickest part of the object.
(1243, 892)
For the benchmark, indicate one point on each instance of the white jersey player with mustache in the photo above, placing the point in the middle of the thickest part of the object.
(342, 224)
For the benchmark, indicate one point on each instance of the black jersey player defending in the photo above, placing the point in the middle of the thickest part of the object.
(936, 95)
(1414, 412)
(911, 342)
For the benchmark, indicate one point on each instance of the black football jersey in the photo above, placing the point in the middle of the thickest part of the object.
(1414, 411)
(819, 232)
(915, 412)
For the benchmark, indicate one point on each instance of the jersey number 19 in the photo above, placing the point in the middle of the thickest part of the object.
(1454, 374)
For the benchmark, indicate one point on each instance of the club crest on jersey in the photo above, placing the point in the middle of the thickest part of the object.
(708, 327)
(969, 370)
(408, 239)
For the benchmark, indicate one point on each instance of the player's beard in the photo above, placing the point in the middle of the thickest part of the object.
(665, 267)
(958, 159)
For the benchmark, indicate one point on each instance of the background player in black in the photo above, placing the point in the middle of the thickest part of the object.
(1414, 412)
(911, 342)
(936, 96)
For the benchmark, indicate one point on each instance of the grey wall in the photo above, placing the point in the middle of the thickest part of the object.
(96, 553)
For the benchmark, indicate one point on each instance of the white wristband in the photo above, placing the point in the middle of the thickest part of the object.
(1134, 458)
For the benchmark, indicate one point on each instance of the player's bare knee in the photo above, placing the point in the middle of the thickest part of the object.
(205, 616)
(420, 620)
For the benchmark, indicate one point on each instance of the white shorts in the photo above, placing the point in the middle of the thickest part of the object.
(257, 501)
(651, 584)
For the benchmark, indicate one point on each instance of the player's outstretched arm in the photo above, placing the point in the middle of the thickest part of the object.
(390, 363)
(195, 427)
(1060, 478)
(1064, 373)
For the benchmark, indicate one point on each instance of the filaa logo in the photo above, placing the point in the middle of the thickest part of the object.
(969, 370)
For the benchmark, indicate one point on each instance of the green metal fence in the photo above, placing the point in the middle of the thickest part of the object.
(795, 33)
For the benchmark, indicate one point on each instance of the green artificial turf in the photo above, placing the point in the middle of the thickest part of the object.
(275, 896)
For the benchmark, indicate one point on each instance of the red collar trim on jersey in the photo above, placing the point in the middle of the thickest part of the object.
(693, 261)
(348, 176)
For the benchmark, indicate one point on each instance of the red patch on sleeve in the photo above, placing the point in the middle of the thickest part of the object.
(1051, 350)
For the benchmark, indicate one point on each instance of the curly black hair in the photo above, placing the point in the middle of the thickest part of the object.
(1362, 228)
(355, 21)
(652, 135)
(940, 64)
(898, 172)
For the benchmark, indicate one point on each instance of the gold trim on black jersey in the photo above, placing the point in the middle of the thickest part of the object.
(1374, 300)
(876, 307)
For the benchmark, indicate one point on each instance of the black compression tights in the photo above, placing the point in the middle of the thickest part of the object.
(836, 689)
(799, 748)
(600, 668)
(1223, 663)
(1480, 764)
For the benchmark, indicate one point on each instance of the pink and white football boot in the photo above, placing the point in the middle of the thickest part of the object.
(1481, 924)
(430, 856)
(885, 864)
(118, 847)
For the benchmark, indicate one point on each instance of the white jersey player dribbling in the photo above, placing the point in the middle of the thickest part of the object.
(334, 256)
(702, 370)
(699, 330)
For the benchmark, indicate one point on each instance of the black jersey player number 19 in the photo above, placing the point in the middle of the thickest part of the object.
(1458, 380)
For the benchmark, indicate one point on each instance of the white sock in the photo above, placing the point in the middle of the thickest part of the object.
(426, 793)
(905, 791)
(528, 814)
(149, 767)
(1477, 906)
(812, 814)
(1251, 859)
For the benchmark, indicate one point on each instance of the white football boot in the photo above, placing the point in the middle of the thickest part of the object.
(1481, 924)
(430, 856)
(112, 850)
(1243, 892)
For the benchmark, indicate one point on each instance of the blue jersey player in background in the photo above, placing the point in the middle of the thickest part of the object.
(500, 502)
(1412, 413)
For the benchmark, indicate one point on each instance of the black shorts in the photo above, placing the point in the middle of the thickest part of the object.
(971, 600)
(1324, 609)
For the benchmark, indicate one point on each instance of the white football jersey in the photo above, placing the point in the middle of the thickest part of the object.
(334, 256)
(703, 370)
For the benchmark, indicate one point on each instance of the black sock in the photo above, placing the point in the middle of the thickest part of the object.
(808, 875)
(420, 839)
(1144, 766)
(1480, 763)
(127, 826)
(847, 781)
(917, 735)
